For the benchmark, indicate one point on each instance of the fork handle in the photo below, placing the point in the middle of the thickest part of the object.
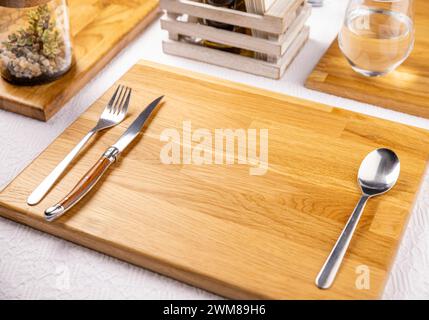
(82, 188)
(39, 193)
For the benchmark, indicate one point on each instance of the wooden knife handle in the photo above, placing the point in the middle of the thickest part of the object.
(83, 186)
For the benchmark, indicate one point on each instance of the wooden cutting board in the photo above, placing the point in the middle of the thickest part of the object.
(406, 89)
(100, 29)
(216, 226)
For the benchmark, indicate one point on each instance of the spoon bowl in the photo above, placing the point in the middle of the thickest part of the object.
(379, 172)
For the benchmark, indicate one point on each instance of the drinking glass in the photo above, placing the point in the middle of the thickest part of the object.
(377, 35)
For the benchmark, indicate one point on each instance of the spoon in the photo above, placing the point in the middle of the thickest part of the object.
(378, 174)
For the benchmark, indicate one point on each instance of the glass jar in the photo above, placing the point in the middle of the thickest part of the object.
(35, 44)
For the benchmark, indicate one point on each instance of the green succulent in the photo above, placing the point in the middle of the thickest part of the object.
(41, 35)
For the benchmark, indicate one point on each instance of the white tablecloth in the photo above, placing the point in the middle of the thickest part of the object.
(39, 266)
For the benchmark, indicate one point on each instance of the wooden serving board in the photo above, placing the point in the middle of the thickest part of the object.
(406, 89)
(217, 226)
(100, 29)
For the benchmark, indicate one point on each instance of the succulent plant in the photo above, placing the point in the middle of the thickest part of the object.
(40, 36)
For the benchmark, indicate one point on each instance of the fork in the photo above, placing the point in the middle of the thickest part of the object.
(113, 114)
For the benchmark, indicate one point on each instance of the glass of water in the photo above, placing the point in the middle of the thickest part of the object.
(377, 35)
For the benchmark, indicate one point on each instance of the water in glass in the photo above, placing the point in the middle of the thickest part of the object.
(377, 36)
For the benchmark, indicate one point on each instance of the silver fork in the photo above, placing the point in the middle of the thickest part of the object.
(113, 114)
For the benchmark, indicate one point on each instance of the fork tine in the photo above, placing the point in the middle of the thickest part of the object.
(112, 100)
(118, 100)
(124, 108)
(120, 103)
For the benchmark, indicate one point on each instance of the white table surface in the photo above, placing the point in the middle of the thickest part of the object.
(35, 265)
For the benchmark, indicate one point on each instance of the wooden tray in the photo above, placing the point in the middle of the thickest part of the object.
(405, 90)
(216, 226)
(100, 29)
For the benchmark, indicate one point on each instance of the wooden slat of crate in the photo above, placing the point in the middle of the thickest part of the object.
(271, 47)
(281, 8)
(272, 22)
(286, 39)
(235, 61)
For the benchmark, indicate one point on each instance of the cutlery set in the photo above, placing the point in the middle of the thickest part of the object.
(378, 173)
(113, 114)
(97, 171)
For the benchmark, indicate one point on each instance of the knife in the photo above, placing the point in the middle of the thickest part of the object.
(94, 174)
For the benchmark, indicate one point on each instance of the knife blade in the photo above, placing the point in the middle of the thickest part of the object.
(134, 129)
(94, 174)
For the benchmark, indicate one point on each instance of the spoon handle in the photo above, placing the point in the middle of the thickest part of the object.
(327, 274)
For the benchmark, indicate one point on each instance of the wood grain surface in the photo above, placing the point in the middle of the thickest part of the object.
(100, 29)
(405, 89)
(216, 226)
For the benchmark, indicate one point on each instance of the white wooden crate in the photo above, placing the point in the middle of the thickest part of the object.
(283, 26)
